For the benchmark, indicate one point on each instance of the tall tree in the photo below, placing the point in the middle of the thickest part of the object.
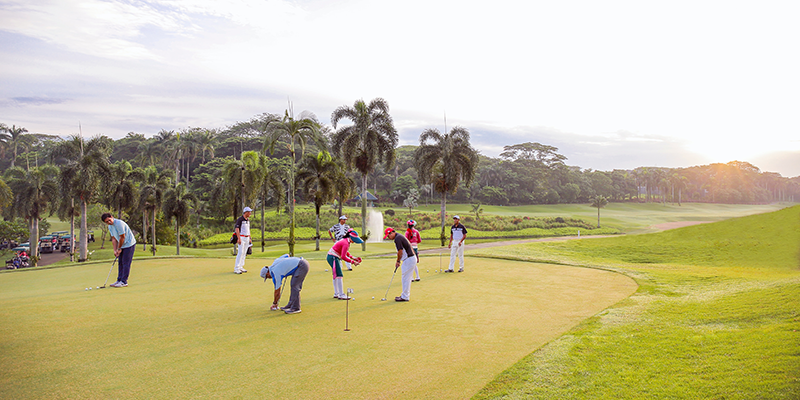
(16, 139)
(86, 168)
(599, 202)
(35, 192)
(122, 186)
(446, 160)
(292, 132)
(152, 187)
(317, 176)
(177, 202)
(369, 141)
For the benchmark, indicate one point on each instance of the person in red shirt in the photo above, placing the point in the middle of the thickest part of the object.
(415, 239)
(341, 251)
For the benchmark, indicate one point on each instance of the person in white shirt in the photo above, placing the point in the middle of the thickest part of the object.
(458, 233)
(242, 230)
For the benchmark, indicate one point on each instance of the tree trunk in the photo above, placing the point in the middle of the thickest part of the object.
(679, 196)
(598, 217)
(84, 233)
(364, 210)
(291, 240)
(153, 227)
(33, 254)
(144, 229)
(263, 205)
(178, 237)
(72, 231)
(442, 236)
(317, 237)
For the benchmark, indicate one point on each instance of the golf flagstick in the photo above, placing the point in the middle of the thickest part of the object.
(109, 273)
(347, 312)
(390, 285)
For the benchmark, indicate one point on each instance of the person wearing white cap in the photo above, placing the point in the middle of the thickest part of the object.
(458, 233)
(337, 232)
(242, 230)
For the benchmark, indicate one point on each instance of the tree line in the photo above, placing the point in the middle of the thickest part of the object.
(275, 160)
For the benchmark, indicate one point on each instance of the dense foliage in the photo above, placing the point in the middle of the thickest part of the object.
(132, 175)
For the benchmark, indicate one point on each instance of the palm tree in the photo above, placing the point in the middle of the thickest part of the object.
(87, 167)
(149, 152)
(444, 161)
(371, 140)
(292, 132)
(177, 202)
(16, 138)
(6, 195)
(151, 195)
(206, 141)
(344, 187)
(272, 183)
(599, 202)
(122, 186)
(35, 191)
(317, 178)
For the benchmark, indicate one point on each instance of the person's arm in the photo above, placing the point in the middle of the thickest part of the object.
(451, 238)
(117, 245)
(330, 234)
(399, 257)
(463, 235)
(276, 297)
(238, 237)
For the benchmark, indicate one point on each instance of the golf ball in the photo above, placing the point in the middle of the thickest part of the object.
(90, 288)
(86, 288)
(97, 287)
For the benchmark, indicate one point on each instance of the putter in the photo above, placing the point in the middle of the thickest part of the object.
(283, 285)
(390, 285)
(109, 273)
(347, 312)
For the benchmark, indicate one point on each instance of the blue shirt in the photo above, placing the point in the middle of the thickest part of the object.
(283, 267)
(119, 228)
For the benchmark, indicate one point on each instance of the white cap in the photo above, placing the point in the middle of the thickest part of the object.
(456, 216)
(343, 217)
(246, 209)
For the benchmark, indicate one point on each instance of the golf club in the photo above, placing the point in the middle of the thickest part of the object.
(390, 285)
(109, 273)
(283, 285)
(347, 312)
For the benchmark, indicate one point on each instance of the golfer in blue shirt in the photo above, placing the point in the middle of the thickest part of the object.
(124, 246)
(281, 269)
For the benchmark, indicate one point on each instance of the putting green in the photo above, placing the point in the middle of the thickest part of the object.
(192, 328)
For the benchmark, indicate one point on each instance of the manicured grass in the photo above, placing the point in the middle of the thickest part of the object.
(190, 328)
(717, 315)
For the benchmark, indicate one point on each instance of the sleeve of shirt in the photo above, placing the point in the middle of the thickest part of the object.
(464, 229)
(237, 224)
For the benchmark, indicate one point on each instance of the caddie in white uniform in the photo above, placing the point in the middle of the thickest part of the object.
(458, 233)
(337, 233)
(242, 230)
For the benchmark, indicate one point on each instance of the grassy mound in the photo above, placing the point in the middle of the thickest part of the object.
(717, 315)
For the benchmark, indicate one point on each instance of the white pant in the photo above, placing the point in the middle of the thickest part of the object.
(456, 251)
(406, 273)
(241, 254)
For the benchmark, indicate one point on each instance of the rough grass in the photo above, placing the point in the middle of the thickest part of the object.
(717, 316)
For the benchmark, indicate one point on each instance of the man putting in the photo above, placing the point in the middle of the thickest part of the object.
(406, 260)
(458, 233)
(124, 246)
(281, 269)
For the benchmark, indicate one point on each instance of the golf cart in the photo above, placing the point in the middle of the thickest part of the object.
(21, 259)
(57, 237)
(46, 244)
(66, 243)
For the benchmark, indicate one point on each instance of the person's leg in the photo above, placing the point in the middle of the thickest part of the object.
(453, 255)
(407, 272)
(461, 257)
(332, 261)
(241, 253)
(297, 285)
(416, 266)
(125, 260)
(349, 266)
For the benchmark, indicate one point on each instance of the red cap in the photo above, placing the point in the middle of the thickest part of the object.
(387, 232)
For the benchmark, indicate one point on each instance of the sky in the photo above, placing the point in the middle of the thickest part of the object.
(611, 84)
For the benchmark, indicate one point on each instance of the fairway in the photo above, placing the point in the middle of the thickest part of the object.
(190, 328)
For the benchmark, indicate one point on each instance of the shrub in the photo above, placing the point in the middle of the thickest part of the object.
(389, 212)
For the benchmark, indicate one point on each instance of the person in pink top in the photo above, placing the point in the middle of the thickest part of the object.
(341, 251)
(415, 239)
